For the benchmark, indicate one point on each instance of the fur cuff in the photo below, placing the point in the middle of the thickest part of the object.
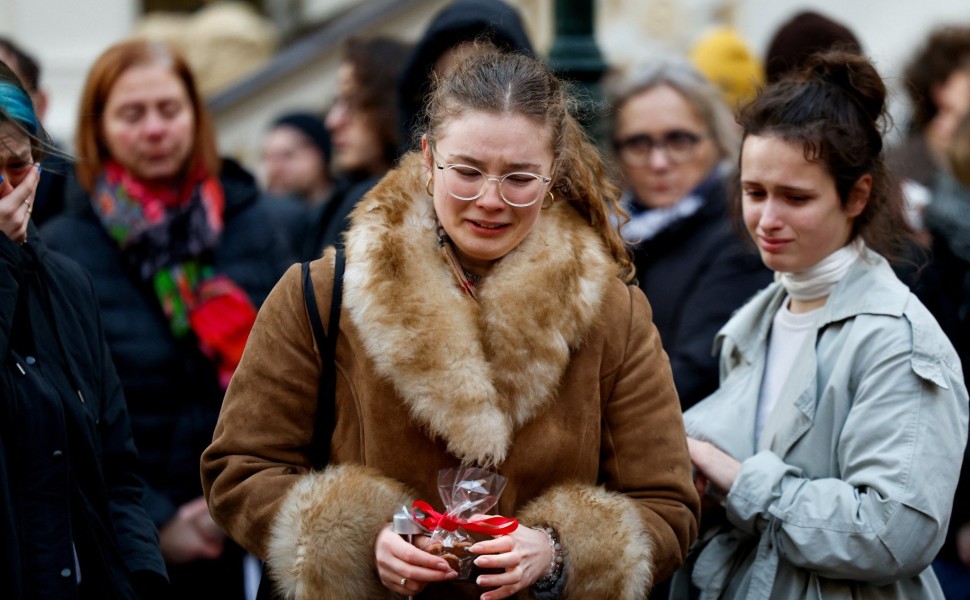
(322, 541)
(608, 552)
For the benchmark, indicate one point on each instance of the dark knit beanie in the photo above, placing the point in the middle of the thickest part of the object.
(309, 125)
(801, 36)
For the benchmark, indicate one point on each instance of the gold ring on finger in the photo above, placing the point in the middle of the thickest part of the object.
(404, 581)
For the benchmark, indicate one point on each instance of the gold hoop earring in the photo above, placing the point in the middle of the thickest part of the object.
(428, 188)
(552, 200)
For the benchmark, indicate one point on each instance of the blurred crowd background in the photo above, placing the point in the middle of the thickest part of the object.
(257, 59)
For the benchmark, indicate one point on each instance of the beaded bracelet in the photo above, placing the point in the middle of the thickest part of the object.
(554, 574)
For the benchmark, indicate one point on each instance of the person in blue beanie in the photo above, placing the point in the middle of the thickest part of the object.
(72, 525)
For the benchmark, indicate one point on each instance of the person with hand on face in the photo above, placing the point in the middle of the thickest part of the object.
(56, 166)
(182, 253)
(836, 436)
(72, 525)
(675, 141)
(487, 320)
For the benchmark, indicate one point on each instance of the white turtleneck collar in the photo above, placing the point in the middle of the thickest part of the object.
(818, 280)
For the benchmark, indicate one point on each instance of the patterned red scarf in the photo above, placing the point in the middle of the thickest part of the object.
(167, 237)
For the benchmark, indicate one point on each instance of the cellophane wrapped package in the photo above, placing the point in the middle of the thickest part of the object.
(467, 493)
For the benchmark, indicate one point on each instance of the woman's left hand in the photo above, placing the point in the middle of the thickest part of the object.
(525, 555)
(717, 466)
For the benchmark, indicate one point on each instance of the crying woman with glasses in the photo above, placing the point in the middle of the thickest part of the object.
(488, 320)
(676, 144)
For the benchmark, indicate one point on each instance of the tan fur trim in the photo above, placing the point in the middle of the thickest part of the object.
(322, 541)
(608, 552)
(471, 373)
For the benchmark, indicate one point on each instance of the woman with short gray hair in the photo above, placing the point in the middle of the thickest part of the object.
(676, 144)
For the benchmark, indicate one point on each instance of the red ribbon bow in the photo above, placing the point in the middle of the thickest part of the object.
(496, 525)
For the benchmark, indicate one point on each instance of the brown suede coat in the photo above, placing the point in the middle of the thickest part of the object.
(556, 379)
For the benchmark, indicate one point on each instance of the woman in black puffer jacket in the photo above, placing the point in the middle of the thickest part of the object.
(182, 253)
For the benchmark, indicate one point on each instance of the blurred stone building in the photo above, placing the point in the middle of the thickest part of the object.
(223, 41)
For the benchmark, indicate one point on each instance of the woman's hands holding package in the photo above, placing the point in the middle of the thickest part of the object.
(524, 555)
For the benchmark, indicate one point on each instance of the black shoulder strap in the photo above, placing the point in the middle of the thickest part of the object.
(326, 345)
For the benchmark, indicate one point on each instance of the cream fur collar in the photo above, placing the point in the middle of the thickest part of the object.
(470, 373)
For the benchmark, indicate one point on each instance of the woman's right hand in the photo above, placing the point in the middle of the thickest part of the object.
(963, 544)
(16, 204)
(713, 466)
(191, 535)
(398, 561)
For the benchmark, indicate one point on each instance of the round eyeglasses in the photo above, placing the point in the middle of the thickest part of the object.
(678, 145)
(518, 189)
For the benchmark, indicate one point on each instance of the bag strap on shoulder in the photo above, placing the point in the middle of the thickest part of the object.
(326, 341)
(326, 345)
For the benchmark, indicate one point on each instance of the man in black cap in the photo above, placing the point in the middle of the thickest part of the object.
(296, 158)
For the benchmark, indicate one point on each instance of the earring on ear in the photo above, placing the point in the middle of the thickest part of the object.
(428, 188)
(552, 200)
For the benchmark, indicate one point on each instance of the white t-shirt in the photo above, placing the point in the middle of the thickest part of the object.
(789, 331)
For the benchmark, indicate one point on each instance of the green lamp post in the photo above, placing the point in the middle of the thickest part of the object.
(574, 56)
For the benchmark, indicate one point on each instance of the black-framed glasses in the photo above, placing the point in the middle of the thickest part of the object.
(678, 145)
(467, 183)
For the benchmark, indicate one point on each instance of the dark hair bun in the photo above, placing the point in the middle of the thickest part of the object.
(835, 109)
(854, 75)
